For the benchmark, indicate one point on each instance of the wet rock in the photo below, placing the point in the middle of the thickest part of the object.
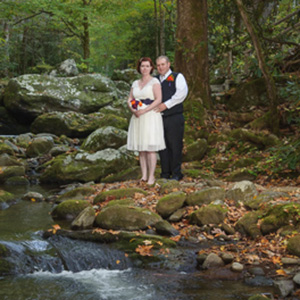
(170, 203)
(206, 196)
(257, 271)
(259, 281)
(126, 218)
(85, 219)
(211, 214)
(237, 267)
(69, 209)
(5, 198)
(284, 287)
(105, 137)
(118, 194)
(33, 196)
(213, 261)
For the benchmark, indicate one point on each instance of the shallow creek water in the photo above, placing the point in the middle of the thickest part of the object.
(60, 268)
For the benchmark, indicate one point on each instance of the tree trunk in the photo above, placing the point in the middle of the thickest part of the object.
(86, 39)
(156, 30)
(6, 48)
(162, 27)
(191, 55)
(270, 84)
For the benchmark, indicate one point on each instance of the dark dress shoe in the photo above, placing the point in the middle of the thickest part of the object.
(177, 177)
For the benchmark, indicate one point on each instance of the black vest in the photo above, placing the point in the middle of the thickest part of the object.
(168, 90)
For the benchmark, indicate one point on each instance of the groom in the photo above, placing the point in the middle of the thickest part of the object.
(174, 91)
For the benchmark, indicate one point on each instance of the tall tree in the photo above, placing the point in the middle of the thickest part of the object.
(191, 55)
(270, 84)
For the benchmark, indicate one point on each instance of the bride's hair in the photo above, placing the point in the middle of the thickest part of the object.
(145, 59)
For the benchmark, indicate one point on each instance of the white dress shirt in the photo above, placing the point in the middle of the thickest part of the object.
(181, 89)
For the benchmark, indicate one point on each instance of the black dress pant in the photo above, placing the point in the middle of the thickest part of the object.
(171, 157)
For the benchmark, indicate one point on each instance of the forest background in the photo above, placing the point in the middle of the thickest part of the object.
(210, 41)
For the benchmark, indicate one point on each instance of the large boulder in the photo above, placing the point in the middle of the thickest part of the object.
(126, 218)
(248, 224)
(293, 245)
(105, 137)
(127, 75)
(75, 124)
(66, 68)
(85, 167)
(11, 171)
(29, 96)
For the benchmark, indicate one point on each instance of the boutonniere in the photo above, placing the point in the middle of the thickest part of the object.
(170, 78)
(135, 103)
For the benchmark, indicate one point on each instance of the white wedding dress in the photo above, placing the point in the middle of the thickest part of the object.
(145, 133)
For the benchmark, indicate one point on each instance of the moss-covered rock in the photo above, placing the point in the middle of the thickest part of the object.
(293, 245)
(258, 139)
(125, 202)
(258, 297)
(17, 180)
(211, 214)
(126, 218)
(241, 174)
(252, 93)
(105, 137)
(85, 219)
(248, 224)
(29, 96)
(118, 194)
(195, 151)
(206, 196)
(170, 203)
(9, 160)
(11, 171)
(4, 148)
(127, 75)
(77, 193)
(39, 146)
(85, 167)
(69, 209)
(279, 216)
(242, 191)
(5, 197)
(134, 172)
(169, 186)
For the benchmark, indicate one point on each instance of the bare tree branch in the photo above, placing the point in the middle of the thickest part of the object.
(287, 17)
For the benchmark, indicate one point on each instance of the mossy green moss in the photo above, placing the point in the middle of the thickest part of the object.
(77, 193)
(118, 194)
(69, 209)
(4, 148)
(128, 174)
(170, 203)
(127, 202)
(3, 251)
(6, 196)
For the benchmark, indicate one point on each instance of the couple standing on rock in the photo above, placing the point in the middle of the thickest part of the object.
(157, 122)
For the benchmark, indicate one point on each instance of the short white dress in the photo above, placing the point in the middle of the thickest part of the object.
(145, 133)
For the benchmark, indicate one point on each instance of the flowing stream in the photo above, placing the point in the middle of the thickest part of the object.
(61, 269)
